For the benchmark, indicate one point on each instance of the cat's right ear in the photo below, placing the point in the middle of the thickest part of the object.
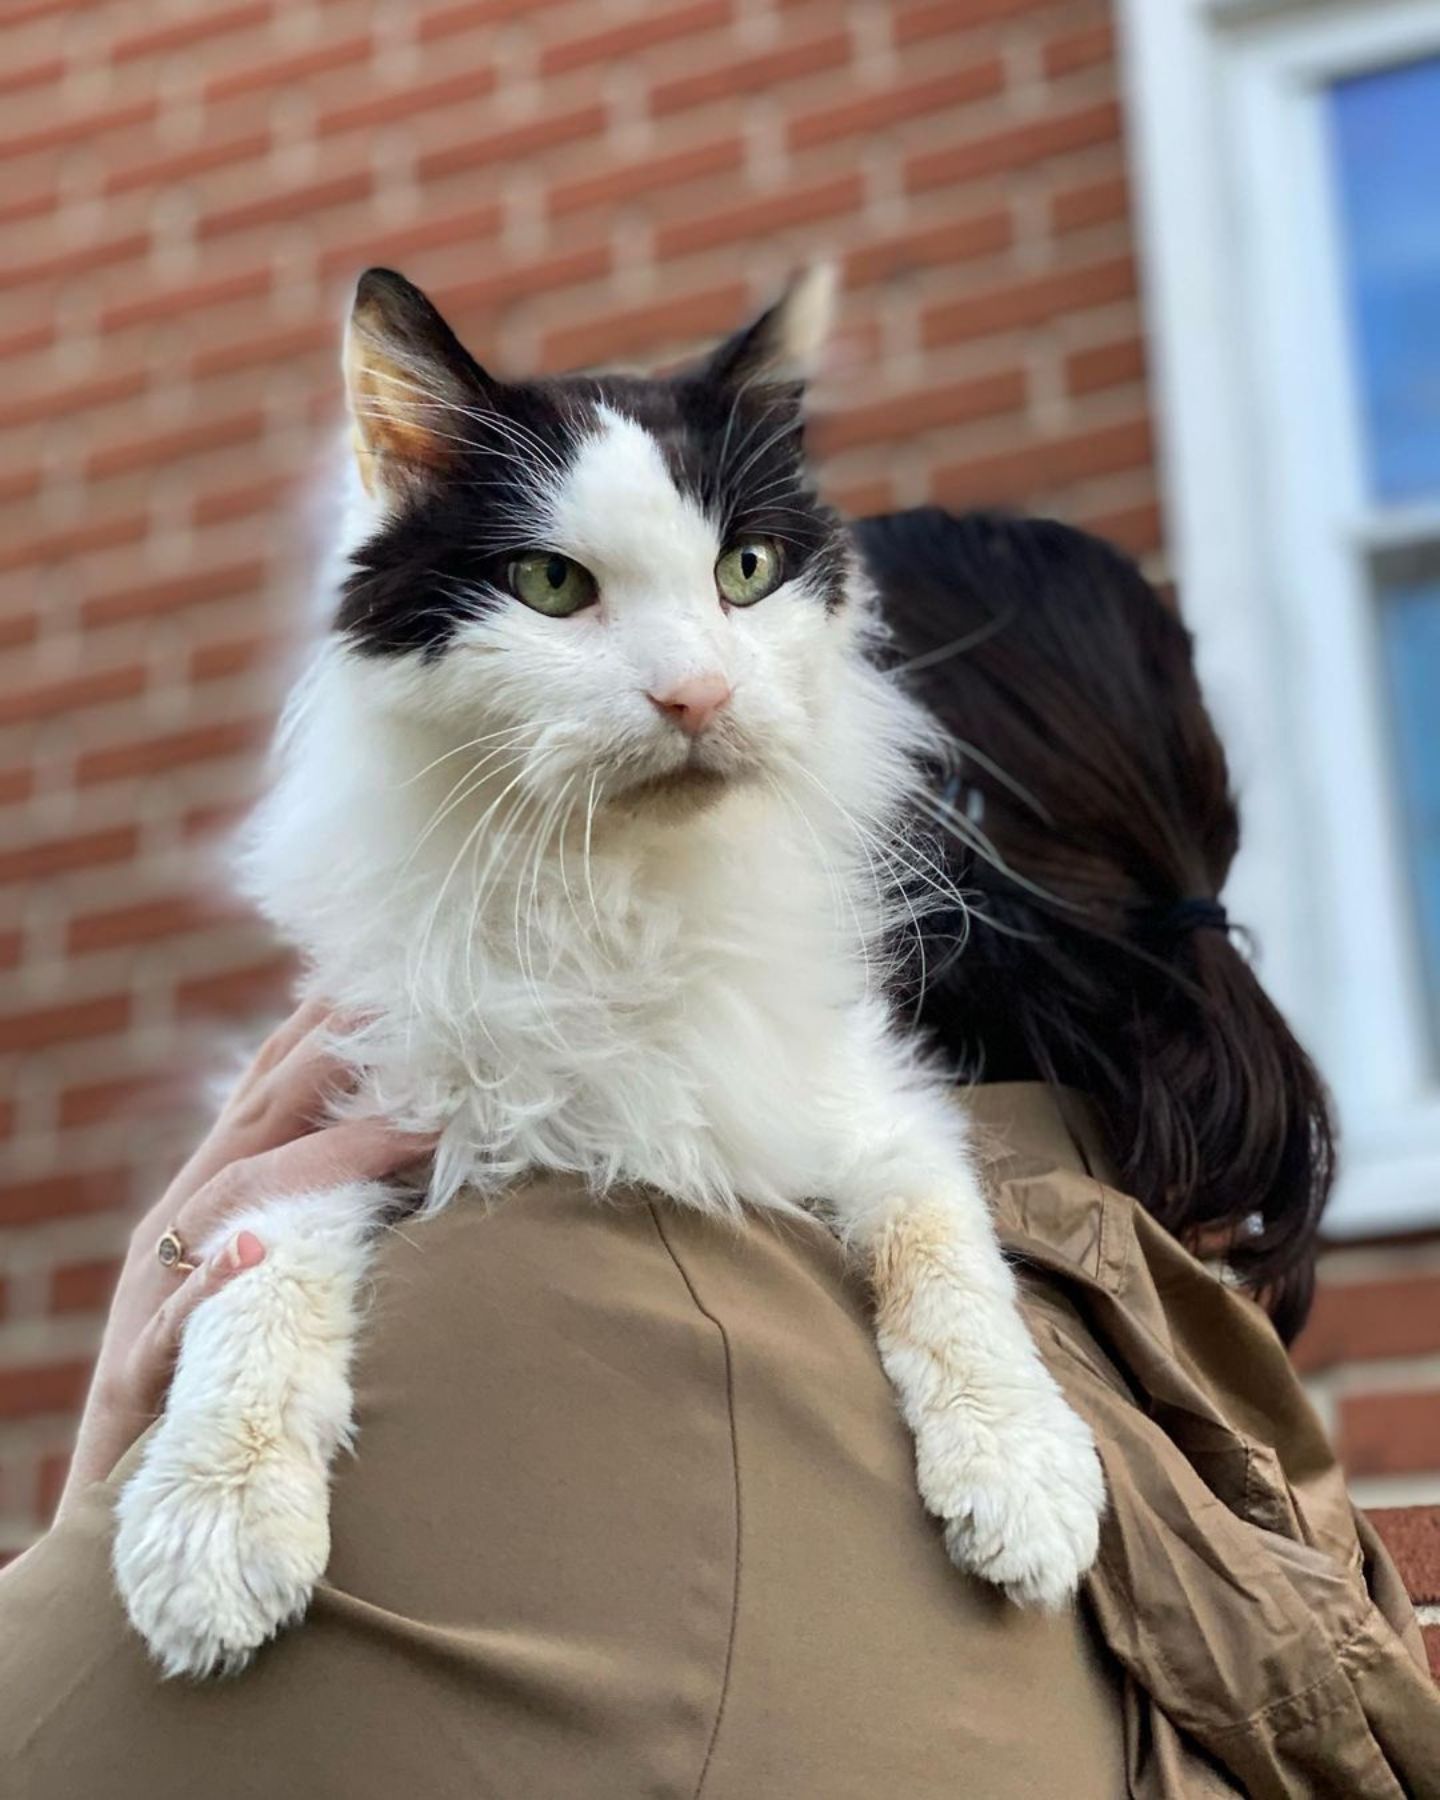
(783, 347)
(410, 383)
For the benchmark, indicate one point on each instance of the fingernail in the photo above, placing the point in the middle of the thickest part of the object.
(245, 1251)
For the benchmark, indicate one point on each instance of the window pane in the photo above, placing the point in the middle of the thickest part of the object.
(1386, 133)
(1410, 626)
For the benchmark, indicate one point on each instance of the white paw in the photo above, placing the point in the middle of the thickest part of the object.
(213, 1557)
(1021, 1499)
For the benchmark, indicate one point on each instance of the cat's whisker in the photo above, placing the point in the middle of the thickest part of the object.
(447, 437)
(488, 737)
(545, 834)
(449, 405)
(787, 428)
(532, 841)
(503, 839)
(483, 884)
(761, 415)
(467, 843)
(723, 453)
(554, 828)
(998, 773)
(898, 864)
(522, 438)
(840, 897)
(532, 850)
(897, 836)
(588, 863)
(469, 784)
(562, 868)
(862, 843)
(966, 831)
(743, 392)
(783, 481)
(762, 510)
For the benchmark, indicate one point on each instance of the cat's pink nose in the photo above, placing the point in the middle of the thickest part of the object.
(693, 703)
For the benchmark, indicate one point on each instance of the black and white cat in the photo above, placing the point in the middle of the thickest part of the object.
(578, 811)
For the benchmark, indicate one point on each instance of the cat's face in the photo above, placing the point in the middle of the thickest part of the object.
(614, 580)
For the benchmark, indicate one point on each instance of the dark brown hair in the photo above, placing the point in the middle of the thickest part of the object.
(1093, 800)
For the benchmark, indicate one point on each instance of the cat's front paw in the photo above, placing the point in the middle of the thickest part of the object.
(213, 1561)
(1021, 1501)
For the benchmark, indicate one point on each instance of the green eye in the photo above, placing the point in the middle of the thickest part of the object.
(551, 584)
(748, 571)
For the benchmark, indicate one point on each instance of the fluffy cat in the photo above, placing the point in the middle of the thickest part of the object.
(582, 810)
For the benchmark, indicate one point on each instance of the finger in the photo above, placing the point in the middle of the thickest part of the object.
(353, 1150)
(316, 1015)
(278, 1045)
(232, 1135)
(356, 1150)
(287, 1102)
(284, 1102)
(298, 1091)
(283, 1039)
(152, 1358)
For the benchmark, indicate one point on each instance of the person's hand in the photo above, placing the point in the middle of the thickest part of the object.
(268, 1142)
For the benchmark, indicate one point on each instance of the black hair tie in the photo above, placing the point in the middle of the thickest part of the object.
(1181, 917)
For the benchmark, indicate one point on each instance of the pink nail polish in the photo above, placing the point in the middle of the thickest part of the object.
(246, 1250)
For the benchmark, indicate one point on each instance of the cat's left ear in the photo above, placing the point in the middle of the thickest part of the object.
(409, 381)
(783, 347)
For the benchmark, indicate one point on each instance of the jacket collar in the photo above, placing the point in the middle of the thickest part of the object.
(1026, 1127)
(1050, 1181)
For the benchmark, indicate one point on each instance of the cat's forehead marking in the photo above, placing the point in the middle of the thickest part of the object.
(618, 508)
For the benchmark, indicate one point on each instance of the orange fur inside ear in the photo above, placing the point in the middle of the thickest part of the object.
(397, 425)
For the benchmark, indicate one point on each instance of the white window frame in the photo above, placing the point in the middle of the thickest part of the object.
(1271, 524)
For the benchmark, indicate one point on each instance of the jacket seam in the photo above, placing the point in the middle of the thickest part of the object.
(1338, 1653)
(706, 1313)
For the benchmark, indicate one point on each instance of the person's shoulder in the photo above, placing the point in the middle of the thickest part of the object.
(483, 1264)
(554, 1330)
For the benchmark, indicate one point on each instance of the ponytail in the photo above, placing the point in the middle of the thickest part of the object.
(1104, 827)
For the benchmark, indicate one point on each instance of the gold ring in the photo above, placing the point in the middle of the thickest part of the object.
(171, 1253)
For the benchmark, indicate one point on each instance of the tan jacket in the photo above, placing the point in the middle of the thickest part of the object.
(633, 1515)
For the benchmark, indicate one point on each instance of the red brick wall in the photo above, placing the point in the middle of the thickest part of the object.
(187, 190)
(1371, 1355)
(1371, 1358)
